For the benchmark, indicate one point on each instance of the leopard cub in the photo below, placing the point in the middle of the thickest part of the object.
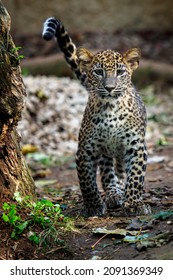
(112, 133)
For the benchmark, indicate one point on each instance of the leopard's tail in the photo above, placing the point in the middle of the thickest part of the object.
(54, 28)
(49, 28)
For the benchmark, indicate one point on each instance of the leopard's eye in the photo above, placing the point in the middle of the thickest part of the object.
(120, 72)
(99, 72)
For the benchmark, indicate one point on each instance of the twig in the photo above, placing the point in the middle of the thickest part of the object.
(93, 246)
(54, 250)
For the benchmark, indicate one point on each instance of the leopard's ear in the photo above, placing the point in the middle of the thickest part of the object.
(132, 57)
(85, 57)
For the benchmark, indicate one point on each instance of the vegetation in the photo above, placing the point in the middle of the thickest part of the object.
(14, 51)
(41, 221)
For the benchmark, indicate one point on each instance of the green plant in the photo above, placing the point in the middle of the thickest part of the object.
(14, 51)
(42, 219)
(162, 141)
(19, 229)
(33, 236)
(9, 215)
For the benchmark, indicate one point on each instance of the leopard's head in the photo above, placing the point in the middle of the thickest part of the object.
(108, 72)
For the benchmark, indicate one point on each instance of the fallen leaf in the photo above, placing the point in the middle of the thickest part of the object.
(42, 173)
(118, 231)
(28, 148)
(137, 224)
(162, 215)
(42, 183)
(155, 241)
(134, 239)
(156, 159)
(95, 258)
(41, 94)
(143, 245)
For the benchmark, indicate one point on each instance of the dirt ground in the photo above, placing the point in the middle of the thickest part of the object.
(84, 244)
(158, 193)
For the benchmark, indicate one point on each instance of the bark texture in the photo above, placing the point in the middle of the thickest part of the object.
(14, 173)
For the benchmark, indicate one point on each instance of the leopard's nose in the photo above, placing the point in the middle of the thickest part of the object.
(109, 83)
(109, 88)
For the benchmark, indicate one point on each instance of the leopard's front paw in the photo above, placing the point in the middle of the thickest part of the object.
(136, 208)
(94, 210)
(114, 198)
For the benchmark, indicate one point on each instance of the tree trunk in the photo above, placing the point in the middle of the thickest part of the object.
(14, 173)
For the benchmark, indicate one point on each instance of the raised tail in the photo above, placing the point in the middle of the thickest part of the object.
(49, 28)
(54, 28)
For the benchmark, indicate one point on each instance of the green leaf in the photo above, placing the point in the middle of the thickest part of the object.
(14, 235)
(57, 208)
(22, 226)
(19, 229)
(34, 238)
(5, 218)
(40, 157)
(5, 206)
(14, 219)
(162, 141)
(46, 202)
(12, 212)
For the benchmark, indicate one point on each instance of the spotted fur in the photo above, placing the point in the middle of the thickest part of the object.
(112, 133)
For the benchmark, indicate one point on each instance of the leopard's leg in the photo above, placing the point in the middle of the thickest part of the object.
(112, 185)
(136, 160)
(120, 168)
(86, 165)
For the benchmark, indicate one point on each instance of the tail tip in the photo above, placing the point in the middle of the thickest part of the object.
(47, 36)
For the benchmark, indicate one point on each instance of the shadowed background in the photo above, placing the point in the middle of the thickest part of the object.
(92, 15)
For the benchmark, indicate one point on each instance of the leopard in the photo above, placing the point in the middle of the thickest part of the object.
(112, 133)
